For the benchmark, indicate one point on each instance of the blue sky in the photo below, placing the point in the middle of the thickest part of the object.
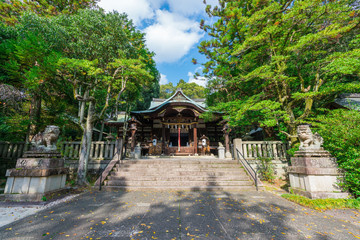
(172, 32)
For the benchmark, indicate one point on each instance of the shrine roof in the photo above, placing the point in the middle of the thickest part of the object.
(349, 101)
(177, 97)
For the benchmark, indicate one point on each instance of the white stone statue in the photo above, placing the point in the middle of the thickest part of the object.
(309, 140)
(46, 141)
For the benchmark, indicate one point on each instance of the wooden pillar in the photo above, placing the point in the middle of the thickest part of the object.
(163, 139)
(227, 142)
(195, 140)
(133, 131)
(142, 133)
(179, 140)
(216, 134)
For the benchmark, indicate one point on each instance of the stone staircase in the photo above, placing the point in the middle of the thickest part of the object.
(179, 173)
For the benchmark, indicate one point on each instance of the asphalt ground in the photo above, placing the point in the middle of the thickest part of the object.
(181, 215)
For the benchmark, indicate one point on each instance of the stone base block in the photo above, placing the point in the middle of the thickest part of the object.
(228, 155)
(137, 153)
(316, 186)
(319, 195)
(314, 183)
(221, 152)
(34, 185)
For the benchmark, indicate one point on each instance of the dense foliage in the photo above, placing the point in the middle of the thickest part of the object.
(341, 132)
(272, 62)
(74, 70)
(192, 90)
(11, 10)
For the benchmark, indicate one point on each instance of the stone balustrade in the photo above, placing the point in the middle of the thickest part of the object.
(254, 150)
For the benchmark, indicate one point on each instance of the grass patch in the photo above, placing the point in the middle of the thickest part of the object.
(323, 204)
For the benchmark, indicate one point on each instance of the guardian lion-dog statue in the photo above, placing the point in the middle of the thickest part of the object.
(46, 141)
(309, 140)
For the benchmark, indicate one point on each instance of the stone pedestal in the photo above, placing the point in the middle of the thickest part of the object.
(221, 152)
(36, 174)
(137, 152)
(228, 155)
(314, 174)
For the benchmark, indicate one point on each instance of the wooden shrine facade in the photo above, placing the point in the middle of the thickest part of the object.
(174, 127)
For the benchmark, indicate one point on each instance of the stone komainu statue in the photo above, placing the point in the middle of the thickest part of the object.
(46, 141)
(309, 140)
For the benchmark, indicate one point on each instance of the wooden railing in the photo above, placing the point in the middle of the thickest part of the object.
(9, 153)
(11, 150)
(69, 150)
(257, 149)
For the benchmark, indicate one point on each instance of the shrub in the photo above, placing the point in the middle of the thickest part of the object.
(266, 169)
(323, 204)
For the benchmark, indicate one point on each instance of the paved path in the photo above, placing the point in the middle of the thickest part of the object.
(179, 215)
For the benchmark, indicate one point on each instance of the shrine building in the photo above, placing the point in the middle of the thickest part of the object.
(173, 127)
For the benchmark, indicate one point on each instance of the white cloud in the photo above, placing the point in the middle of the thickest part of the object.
(163, 79)
(172, 36)
(137, 10)
(199, 80)
(156, 3)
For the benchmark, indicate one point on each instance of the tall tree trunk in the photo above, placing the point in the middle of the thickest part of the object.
(86, 146)
(101, 131)
(35, 114)
(291, 124)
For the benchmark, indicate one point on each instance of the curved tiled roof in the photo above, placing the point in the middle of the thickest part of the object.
(177, 97)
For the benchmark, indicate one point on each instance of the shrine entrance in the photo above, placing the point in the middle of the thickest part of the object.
(174, 140)
(173, 127)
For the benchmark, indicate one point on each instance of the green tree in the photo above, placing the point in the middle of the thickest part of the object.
(274, 61)
(29, 62)
(341, 133)
(11, 10)
(166, 90)
(104, 59)
(192, 90)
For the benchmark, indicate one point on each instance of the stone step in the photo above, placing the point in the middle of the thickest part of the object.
(179, 173)
(179, 178)
(156, 166)
(182, 188)
(177, 169)
(176, 183)
(177, 161)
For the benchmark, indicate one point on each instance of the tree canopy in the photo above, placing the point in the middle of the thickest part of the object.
(11, 10)
(192, 90)
(275, 62)
(79, 67)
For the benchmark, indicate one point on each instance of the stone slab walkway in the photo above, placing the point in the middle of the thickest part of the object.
(180, 215)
